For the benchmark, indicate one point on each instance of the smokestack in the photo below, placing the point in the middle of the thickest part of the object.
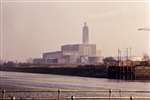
(85, 32)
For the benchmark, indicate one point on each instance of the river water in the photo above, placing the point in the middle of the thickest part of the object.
(30, 81)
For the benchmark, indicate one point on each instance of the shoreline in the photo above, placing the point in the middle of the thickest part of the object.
(97, 72)
(82, 71)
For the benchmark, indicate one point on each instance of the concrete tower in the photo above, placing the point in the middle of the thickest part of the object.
(85, 32)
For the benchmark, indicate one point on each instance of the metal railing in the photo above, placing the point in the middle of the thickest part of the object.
(59, 91)
(75, 98)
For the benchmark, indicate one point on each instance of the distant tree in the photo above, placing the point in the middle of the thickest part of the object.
(145, 59)
(10, 64)
(109, 60)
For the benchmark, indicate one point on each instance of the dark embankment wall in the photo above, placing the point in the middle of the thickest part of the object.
(142, 72)
(86, 71)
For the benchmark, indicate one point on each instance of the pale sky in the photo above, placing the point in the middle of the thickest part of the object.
(31, 28)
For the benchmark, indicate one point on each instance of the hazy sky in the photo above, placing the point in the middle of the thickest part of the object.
(31, 28)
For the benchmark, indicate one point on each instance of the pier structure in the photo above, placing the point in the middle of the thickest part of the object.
(122, 72)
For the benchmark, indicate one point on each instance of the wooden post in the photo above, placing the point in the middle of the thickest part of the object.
(72, 97)
(13, 98)
(131, 97)
(120, 93)
(3, 94)
(58, 94)
(110, 93)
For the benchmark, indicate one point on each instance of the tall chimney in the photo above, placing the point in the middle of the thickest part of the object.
(85, 33)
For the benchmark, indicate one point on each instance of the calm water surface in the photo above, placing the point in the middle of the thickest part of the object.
(21, 80)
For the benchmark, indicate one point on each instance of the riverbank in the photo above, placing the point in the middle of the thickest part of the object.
(97, 71)
(94, 71)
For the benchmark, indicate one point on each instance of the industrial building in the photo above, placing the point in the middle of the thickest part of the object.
(84, 53)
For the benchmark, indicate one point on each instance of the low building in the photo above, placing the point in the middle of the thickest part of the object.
(52, 57)
(1, 62)
(79, 53)
(38, 61)
(72, 54)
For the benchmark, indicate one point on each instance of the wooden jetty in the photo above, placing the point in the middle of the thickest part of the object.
(121, 72)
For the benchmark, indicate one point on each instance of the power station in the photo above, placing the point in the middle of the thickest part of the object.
(84, 53)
